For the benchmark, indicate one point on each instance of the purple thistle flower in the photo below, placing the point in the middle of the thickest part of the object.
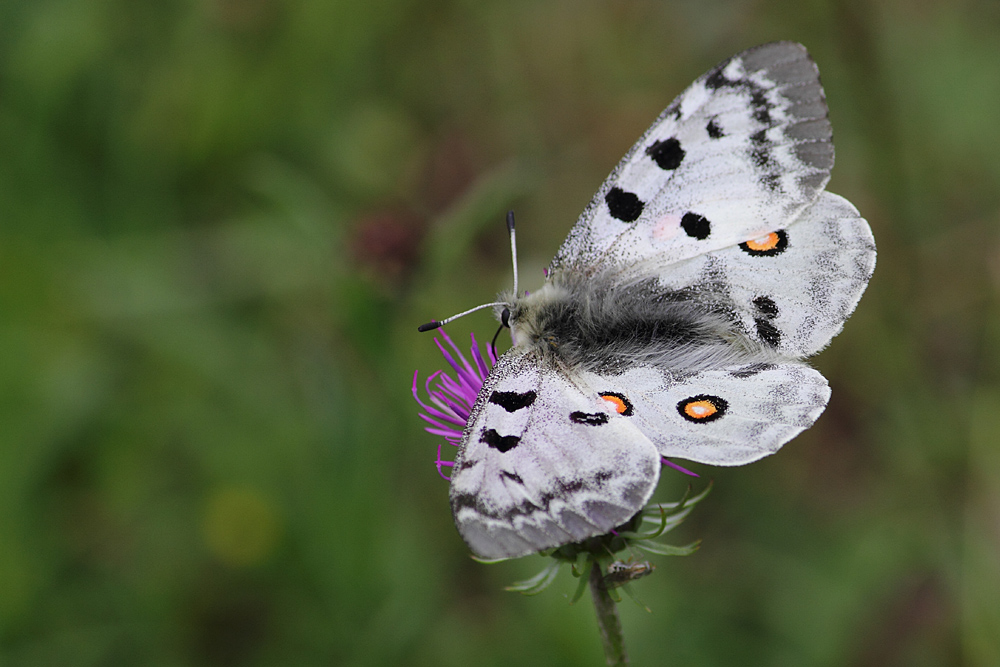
(451, 399)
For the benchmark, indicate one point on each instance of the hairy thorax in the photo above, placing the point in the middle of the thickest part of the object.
(603, 325)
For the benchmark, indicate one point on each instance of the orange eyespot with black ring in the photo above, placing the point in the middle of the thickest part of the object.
(621, 404)
(767, 245)
(702, 408)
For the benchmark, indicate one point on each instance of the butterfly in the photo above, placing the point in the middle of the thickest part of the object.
(675, 317)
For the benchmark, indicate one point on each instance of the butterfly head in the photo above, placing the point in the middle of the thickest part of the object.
(524, 313)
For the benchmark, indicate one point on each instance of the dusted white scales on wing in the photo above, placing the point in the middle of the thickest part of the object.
(675, 317)
(739, 154)
(543, 463)
(728, 416)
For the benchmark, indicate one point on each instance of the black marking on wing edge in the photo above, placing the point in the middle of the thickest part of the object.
(771, 181)
(512, 477)
(762, 108)
(761, 151)
(696, 226)
(589, 418)
(761, 157)
(501, 443)
(751, 370)
(713, 129)
(622, 205)
(630, 495)
(777, 249)
(715, 79)
(768, 332)
(666, 154)
(512, 401)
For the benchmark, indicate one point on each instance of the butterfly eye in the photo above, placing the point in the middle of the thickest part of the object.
(505, 317)
(702, 408)
(621, 404)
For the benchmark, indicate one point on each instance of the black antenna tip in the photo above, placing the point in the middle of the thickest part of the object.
(510, 221)
(430, 326)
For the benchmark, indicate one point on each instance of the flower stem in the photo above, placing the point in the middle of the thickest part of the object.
(607, 619)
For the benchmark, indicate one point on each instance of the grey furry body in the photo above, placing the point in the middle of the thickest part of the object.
(599, 324)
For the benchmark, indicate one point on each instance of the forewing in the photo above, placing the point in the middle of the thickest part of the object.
(728, 417)
(545, 461)
(738, 154)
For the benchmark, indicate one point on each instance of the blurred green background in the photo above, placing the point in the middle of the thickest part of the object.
(222, 220)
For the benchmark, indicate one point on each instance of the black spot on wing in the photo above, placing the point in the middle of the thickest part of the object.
(501, 443)
(696, 226)
(767, 332)
(622, 205)
(589, 418)
(667, 154)
(512, 401)
(713, 129)
(766, 306)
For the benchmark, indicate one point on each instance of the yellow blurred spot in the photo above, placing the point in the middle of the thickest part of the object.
(240, 526)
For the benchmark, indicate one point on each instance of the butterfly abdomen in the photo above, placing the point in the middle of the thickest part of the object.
(587, 322)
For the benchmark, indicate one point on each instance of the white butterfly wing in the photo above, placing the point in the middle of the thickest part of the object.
(791, 290)
(739, 154)
(720, 207)
(544, 461)
(729, 416)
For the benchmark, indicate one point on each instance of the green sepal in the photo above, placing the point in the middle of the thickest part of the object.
(487, 561)
(537, 583)
(667, 549)
(580, 588)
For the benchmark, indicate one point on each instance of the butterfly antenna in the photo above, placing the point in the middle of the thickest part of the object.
(434, 324)
(513, 247)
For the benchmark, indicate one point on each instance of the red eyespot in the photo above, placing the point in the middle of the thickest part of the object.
(768, 242)
(768, 245)
(622, 404)
(702, 408)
